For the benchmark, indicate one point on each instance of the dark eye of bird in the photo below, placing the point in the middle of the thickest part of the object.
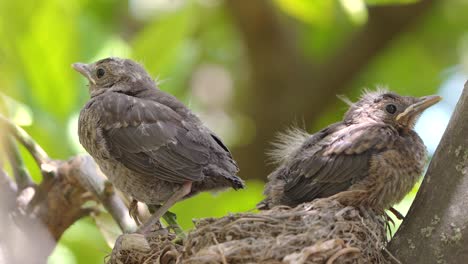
(100, 72)
(391, 108)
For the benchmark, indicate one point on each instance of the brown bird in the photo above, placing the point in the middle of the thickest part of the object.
(372, 158)
(149, 144)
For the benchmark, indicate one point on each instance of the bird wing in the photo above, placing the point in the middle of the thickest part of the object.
(150, 138)
(337, 161)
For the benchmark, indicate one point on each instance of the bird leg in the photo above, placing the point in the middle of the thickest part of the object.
(176, 196)
(133, 211)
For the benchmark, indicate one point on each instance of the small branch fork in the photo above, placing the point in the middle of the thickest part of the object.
(54, 204)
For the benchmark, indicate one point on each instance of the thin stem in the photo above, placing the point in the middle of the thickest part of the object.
(171, 220)
(23, 179)
(39, 155)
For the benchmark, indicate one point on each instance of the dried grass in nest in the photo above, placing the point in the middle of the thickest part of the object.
(322, 231)
(136, 249)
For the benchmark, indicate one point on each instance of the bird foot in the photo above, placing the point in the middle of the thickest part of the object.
(171, 220)
(162, 210)
(147, 229)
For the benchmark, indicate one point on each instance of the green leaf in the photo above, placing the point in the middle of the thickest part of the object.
(45, 53)
(86, 241)
(109, 229)
(62, 255)
(311, 12)
(18, 112)
(160, 45)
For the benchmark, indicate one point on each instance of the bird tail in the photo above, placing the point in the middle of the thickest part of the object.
(235, 181)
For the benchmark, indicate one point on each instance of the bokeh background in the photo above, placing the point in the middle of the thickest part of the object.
(248, 68)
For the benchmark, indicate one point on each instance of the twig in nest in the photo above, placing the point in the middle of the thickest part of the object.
(392, 257)
(221, 252)
(342, 252)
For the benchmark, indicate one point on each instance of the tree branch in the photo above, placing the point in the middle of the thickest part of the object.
(43, 212)
(438, 214)
(8, 189)
(89, 176)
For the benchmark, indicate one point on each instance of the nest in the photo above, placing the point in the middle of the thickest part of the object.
(322, 231)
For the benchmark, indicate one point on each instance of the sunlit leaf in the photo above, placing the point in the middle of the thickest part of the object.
(160, 44)
(356, 10)
(18, 112)
(312, 12)
(62, 255)
(46, 51)
(86, 240)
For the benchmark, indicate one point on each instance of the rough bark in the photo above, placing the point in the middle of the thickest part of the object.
(435, 229)
(285, 86)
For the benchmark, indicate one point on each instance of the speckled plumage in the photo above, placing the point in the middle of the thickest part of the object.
(371, 158)
(147, 142)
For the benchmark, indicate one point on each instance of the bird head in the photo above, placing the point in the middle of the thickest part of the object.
(105, 73)
(401, 112)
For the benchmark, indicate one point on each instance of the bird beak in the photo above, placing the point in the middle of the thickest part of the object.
(85, 70)
(414, 110)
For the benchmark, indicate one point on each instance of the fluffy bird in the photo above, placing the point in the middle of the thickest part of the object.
(149, 144)
(372, 158)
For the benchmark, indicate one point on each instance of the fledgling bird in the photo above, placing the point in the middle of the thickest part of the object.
(372, 158)
(149, 144)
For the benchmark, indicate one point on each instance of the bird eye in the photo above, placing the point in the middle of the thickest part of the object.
(100, 72)
(391, 108)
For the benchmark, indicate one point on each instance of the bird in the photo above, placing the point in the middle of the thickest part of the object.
(148, 143)
(372, 158)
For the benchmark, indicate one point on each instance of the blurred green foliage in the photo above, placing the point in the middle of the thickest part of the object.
(40, 39)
